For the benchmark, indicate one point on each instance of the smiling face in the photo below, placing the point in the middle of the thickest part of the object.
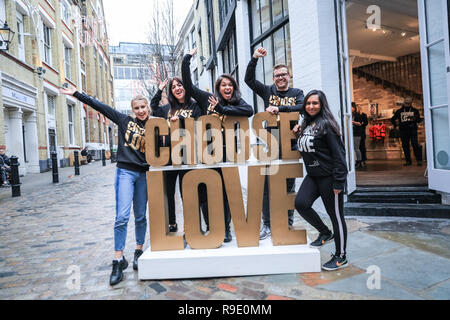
(140, 109)
(312, 106)
(281, 78)
(226, 89)
(178, 91)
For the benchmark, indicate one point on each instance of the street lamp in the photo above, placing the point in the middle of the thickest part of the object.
(6, 36)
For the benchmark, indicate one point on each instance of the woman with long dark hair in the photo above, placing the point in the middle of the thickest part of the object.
(323, 152)
(225, 101)
(180, 106)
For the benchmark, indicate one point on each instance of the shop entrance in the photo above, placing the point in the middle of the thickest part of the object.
(385, 64)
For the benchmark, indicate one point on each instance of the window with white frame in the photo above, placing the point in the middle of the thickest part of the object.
(83, 67)
(51, 105)
(71, 127)
(65, 11)
(20, 35)
(67, 62)
(192, 36)
(47, 44)
(230, 57)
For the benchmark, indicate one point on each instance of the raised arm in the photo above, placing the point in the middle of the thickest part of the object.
(250, 75)
(112, 114)
(198, 95)
(154, 103)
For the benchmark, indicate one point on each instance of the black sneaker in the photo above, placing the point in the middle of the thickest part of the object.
(322, 239)
(407, 163)
(137, 254)
(117, 271)
(173, 227)
(228, 236)
(335, 263)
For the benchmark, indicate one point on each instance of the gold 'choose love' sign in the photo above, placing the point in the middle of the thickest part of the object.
(214, 142)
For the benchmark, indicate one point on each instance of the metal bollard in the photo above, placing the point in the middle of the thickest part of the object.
(76, 164)
(103, 157)
(113, 157)
(55, 167)
(15, 179)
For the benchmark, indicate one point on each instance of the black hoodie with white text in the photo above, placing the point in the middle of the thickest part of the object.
(323, 154)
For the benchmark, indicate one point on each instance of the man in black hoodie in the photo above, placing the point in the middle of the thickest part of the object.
(278, 97)
(408, 117)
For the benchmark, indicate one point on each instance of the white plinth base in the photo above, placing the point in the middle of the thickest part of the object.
(228, 260)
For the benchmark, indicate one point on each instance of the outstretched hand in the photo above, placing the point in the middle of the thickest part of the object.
(68, 91)
(260, 53)
(163, 84)
(213, 101)
(193, 52)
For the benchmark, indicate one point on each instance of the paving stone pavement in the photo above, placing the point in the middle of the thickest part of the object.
(56, 242)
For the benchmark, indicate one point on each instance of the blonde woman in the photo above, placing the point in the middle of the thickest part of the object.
(130, 182)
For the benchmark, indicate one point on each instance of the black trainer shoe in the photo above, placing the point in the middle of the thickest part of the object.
(173, 227)
(322, 239)
(137, 254)
(335, 263)
(117, 271)
(228, 236)
(407, 163)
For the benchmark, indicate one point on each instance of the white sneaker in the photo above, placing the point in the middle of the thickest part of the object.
(265, 232)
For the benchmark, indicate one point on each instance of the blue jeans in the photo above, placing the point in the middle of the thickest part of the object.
(131, 188)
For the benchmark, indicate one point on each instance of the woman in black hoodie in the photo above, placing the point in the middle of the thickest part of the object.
(131, 181)
(323, 152)
(180, 106)
(226, 101)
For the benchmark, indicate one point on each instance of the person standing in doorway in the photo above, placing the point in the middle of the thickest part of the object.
(359, 126)
(362, 145)
(323, 152)
(408, 118)
(278, 97)
(131, 179)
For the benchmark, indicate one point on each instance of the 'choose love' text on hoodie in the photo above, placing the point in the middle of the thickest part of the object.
(131, 135)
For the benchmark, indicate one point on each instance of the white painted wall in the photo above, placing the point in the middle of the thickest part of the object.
(314, 49)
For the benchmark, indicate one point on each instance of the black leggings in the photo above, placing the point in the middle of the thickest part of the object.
(310, 190)
(171, 180)
(203, 200)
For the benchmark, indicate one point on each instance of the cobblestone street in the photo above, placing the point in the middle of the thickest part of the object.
(55, 233)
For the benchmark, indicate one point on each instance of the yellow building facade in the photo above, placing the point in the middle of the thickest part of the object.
(55, 42)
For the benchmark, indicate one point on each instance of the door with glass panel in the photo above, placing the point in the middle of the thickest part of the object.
(435, 50)
(345, 93)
